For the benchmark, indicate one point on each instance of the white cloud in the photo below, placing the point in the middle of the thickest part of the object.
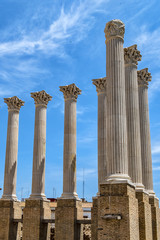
(70, 26)
(156, 168)
(87, 173)
(156, 148)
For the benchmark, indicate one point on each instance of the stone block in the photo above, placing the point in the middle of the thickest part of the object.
(117, 212)
(145, 220)
(10, 210)
(34, 213)
(66, 214)
(94, 219)
(154, 202)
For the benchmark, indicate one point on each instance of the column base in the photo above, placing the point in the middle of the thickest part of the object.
(10, 210)
(70, 196)
(9, 197)
(139, 187)
(145, 220)
(34, 213)
(118, 178)
(154, 202)
(94, 219)
(66, 214)
(117, 212)
(38, 197)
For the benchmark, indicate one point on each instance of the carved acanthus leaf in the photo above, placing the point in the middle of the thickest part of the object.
(41, 97)
(132, 55)
(100, 84)
(14, 103)
(144, 77)
(114, 28)
(70, 91)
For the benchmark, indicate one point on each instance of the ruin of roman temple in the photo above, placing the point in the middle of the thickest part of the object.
(126, 206)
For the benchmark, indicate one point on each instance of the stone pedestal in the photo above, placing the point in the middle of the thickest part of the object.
(154, 202)
(10, 210)
(35, 212)
(94, 219)
(117, 212)
(66, 214)
(145, 219)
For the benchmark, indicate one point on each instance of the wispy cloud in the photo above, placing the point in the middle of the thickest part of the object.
(156, 148)
(86, 173)
(71, 25)
(156, 168)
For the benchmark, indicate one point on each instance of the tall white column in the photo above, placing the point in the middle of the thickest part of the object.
(10, 175)
(41, 100)
(102, 131)
(143, 78)
(70, 93)
(117, 164)
(131, 57)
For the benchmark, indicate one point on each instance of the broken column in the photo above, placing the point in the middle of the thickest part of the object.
(132, 56)
(143, 80)
(9, 205)
(117, 200)
(69, 206)
(37, 207)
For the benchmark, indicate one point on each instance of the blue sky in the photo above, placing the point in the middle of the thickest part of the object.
(46, 44)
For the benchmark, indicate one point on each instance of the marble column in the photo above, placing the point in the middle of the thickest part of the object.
(117, 154)
(143, 78)
(41, 100)
(70, 93)
(131, 57)
(102, 134)
(10, 175)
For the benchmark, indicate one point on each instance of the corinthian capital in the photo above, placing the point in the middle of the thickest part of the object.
(70, 91)
(114, 29)
(100, 84)
(41, 97)
(132, 55)
(14, 103)
(144, 77)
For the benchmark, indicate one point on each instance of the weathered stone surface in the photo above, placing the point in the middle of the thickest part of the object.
(10, 210)
(118, 199)
(71, 93)
(66, 214)
(10, 175)
(132, 56)
(117, 163)
(34, 213)
(102, 131)
(39, 153)
(154, 202)
(94, 219)
(145, 219)
(143, 78)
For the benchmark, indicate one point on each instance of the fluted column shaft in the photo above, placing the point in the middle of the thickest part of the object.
(102, 131)
(117, 167)
(69, 149)
(39, 149)
(132, 56)
(143, 78)
(10, 175)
